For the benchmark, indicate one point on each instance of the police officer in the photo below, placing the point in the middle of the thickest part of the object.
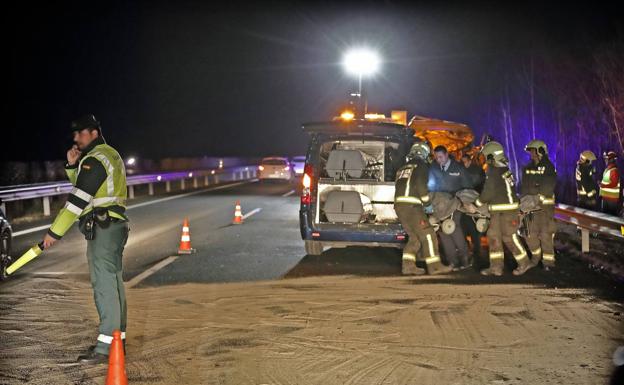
(539, 178)
(585, 185)
(449, 176)
(500, 199)
(98, 200)
(610, 185)
(411, 197)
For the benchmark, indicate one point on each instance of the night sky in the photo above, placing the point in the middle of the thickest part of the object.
(191, 79)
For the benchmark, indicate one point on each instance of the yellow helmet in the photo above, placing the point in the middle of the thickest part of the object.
(420, 150)
(494, 151)
(587, 155)
(538, 145)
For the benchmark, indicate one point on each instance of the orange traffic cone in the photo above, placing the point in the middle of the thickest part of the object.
(116, 362)
(238, 215)
(185, 240)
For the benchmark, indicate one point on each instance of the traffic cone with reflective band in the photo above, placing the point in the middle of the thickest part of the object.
(185, 240)
(238, 215)
(116, 362)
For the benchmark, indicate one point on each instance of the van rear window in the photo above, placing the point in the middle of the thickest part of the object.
(357, 159)
(274, 162)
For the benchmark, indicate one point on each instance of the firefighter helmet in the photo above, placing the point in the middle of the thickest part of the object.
(419, 150)
(610, 156)
(588, 155)
(538, 145)
(494, 151)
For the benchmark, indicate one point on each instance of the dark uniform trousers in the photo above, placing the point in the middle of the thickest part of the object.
(540, 235)
(421, 234)
(104, 254)
(454, 245)
(502, 231)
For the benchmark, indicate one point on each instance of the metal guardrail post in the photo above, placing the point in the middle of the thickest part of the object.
(205, 180)
(216, 178)
(46, 206)
(150, 189)
(167, 186)
(182, 185)
(584, 240)
(195, 182)
(130, 192)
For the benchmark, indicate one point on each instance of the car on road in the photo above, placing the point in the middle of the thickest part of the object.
(298, 164)
(348, 184)
(275, 168)
(6, 234)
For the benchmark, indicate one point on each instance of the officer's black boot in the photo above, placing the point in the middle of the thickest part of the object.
(91, 357)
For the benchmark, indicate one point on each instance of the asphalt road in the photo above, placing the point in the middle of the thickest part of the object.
(266, 246)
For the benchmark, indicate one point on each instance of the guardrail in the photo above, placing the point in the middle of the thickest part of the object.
(206, 177)
(590, 222)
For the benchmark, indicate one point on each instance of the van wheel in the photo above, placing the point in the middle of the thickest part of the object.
(313, 247)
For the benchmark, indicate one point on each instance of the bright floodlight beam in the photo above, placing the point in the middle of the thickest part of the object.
(361, 62)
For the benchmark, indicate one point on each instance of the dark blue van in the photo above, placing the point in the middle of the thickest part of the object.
(348, 184)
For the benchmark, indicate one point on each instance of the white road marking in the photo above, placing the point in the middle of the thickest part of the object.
(291, 192)
(136, 280)
(252, 212)
(44, 227)
(28, 231)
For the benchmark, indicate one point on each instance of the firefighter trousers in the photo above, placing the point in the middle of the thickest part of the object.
(502, 232)
(421, 234)
(541, 230)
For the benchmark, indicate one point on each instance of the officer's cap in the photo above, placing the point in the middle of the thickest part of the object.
(85, 121)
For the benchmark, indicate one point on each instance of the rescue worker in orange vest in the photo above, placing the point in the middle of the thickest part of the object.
(586, 193)
(539, 178)
(411, 202)
(610, 185)
(500, 200)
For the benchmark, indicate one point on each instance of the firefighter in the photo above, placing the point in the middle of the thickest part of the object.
(98, 200)
(411, 200)
(539, 178)
(610, 185)
(500, 200)
(585, 184)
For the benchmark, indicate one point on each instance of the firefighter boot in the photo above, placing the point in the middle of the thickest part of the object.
(438, 268)
(496, 268)
(523, 267)
(409, 267)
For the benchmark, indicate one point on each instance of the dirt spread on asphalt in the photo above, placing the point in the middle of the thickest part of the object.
(318, 330)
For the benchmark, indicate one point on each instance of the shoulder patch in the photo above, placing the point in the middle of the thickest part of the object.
(86, 167)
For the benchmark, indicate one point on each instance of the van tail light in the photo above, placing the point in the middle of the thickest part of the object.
(286, 168)
(261, 168)
(307, 192)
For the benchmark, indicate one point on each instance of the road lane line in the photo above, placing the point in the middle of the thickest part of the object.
(185, 195)
(252, 212)
(136, 280)
(44, 227)
(28, 231)
(291, 192)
